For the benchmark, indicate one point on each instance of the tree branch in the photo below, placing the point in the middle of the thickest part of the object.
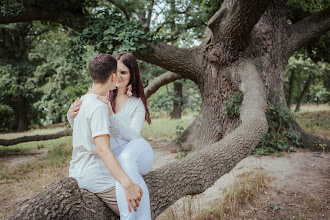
(36, 14)
(121, 7)
(147, 28)
(232, 24)
(9, 142)
(185, 62)
(303, 31)
(159, 81)
(41, 32)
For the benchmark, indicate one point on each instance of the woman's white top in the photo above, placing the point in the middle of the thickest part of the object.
(128, 122)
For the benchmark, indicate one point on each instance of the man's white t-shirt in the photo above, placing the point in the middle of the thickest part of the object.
(86, 166)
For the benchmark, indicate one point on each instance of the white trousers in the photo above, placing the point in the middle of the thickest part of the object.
(136, 158)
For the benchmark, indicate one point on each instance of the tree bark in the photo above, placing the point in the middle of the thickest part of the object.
(305, 30)
(177, 104)
(9, 142)
(21, 120)
(304, 92)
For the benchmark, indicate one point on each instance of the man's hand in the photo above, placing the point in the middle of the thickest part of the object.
(133, 192)
(133, 195)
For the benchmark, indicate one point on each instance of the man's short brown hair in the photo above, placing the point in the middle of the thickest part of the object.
(101, 67)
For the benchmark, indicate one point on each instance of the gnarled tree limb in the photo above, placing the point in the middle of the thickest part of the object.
(191, 175)
(159, 81)
(303, 31)
(235, 20)
(182, 61)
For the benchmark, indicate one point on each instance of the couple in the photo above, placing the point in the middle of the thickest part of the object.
(109, 155)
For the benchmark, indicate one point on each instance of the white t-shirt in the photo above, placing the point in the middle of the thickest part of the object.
(86, 166)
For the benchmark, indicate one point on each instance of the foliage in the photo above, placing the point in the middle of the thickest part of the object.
(231, 107)
(19, 86)
(62, 82)
(280, 135)
(163, 99)
(7, 116)
(302, 66)
(109, 33)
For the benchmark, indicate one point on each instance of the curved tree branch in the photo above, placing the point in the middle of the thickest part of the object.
(159, 81)
(303, 31)
(191, 175)
(184, 62)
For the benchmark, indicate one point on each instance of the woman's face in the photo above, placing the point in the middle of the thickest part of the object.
(123, 75)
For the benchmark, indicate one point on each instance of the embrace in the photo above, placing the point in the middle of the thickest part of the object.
(109, 156)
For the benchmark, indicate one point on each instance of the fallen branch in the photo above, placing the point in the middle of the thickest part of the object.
(9, 142)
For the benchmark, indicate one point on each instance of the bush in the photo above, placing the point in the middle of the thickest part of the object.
(280, 135)
(7, 117)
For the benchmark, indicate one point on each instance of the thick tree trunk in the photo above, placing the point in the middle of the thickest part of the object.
(21, 121)
(291, 84)
(177, 103)
(9, 142)
(304, 92)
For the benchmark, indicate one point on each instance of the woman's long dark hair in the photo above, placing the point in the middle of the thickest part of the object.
(135, 80)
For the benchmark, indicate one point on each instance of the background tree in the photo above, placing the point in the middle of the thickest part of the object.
(19, 86)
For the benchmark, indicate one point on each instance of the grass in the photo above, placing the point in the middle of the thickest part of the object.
(165, 127)
(243, 189)
(317, 122)
(59, 155)
(312, 108)
(39, 131)
(27, 147)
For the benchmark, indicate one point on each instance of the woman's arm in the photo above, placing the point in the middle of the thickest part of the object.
(132, 129)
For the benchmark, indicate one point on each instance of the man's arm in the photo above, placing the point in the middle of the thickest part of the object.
(133, 192)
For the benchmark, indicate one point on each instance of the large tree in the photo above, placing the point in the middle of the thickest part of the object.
(246, 46)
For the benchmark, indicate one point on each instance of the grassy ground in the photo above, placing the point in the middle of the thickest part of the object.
(20, 179)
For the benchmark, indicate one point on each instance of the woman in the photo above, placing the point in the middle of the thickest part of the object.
(128, 110)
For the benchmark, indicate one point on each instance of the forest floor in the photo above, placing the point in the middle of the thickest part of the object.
(292, 186)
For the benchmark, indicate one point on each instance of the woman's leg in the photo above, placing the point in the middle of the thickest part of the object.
(136, 158)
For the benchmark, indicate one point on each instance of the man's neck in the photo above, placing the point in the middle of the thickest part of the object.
(99, 89)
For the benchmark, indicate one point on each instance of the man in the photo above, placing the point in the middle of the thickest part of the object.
(93, 164)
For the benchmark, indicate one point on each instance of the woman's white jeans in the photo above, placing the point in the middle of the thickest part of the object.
(136, 158)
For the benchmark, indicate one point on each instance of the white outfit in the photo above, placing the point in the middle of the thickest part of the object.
(133, 152)
(86, 166)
